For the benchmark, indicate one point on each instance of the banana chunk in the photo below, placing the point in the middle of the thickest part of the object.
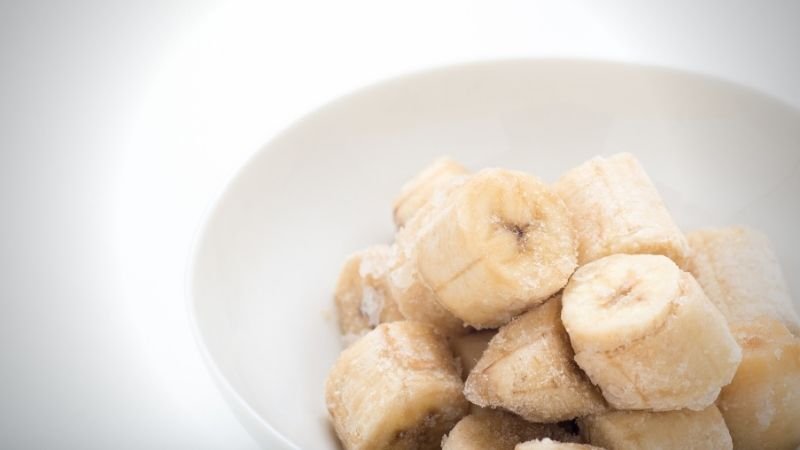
(762, 404)
(646, 334)
(419, 190)
(547, 444)
(528, 369)
(500, 430)
(469, 348)
(617, 209)
(503, 242)
(362, 296)
(740, 273)
(670, 430)
(397, 387)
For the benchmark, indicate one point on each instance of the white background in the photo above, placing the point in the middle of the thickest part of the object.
(119, 123)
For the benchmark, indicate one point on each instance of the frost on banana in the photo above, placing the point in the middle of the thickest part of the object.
(397, 387)
(547, 444)
(617, 209)
(740, 273)
(669, 430)
(419, 190)
(500, 430)
(469, 348)
(528, 369)
(646, 334)
(503, 242)
(362, 296)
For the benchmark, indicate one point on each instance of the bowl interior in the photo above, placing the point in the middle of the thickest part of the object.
(267, 260)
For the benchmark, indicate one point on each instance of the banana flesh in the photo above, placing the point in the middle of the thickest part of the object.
(670, 430)
(397, 387)
(362, 297)
(547, 444)
(647, 335)
(499, 430)
(419, 190)
(528, 369)
(616, 209)
(502, 243)
(469, 348)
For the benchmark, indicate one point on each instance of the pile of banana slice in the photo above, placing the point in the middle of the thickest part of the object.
(513, 314)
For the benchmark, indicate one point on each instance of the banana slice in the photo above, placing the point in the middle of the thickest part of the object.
(762, 404)
(419, 190)
(503, 242)
(671, 430)
(617, 209)
(646, 334)
(362, 296)
(397, 387)
(469, 348)
(499, 430)
(740, 273)
(528, 369)
(547, 444)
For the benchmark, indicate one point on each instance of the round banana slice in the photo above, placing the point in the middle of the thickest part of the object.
(670, 430)
(362, 296)
(397, 387)
(646, 334)
(547, 444)
(762, 404)
(503, 242)
(528, 369)
(419, 190)
(499, 430)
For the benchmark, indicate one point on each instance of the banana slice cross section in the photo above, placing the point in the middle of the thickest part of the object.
(528, 369)
(547, 444)
(616, 209)
(418, 191)
(671, 430)
(397, 387)
(500, 430)
(362, 297)
(646, 334)
(503, 242)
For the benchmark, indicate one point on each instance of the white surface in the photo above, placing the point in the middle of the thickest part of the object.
(119, 123)
(269, 257)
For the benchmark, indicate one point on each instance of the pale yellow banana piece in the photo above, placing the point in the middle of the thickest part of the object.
(397, 387)
(616, 209)
(469, 348)
(419, 190)
(503, 242)
(362, 296)
(762, 404)
(668, 430)
(647, 335)
(547, 444)
(499, 430)
(740, 273)
(528, 369)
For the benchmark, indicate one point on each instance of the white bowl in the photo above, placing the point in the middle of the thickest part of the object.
(267, 260)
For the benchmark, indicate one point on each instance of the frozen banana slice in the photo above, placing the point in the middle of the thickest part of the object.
(617, 209)
(762, 404)
(669, 430)
(397, 387)
(528, 369)
(469, 348)
(362, 297)
(499, 430)
(646, 334)
(419, 190)
(503, 242)
(547, 444)
(740, 273)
